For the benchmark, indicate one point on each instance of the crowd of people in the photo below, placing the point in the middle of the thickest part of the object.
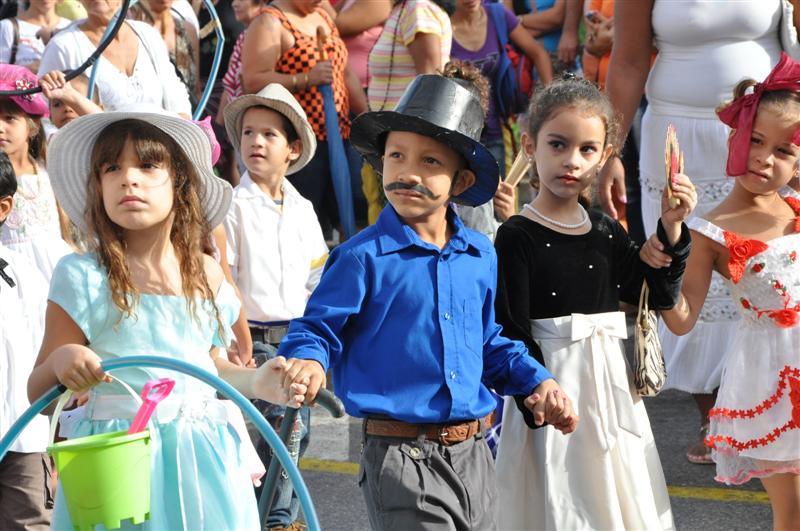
(334, 204)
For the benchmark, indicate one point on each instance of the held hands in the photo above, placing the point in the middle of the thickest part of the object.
(652, 253)
(77, 367)
(309, 372)
(268, 383)
(550, 404)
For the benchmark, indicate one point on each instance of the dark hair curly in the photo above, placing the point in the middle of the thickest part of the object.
(8, 179)
(471, 75)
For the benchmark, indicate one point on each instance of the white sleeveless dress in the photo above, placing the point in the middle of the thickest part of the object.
(755, 423)
(705, 49)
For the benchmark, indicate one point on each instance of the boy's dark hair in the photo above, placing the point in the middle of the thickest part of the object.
(475, 82)
(8, 179)
(288, 129)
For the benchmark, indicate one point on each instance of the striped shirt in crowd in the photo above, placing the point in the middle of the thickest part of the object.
(390, 63)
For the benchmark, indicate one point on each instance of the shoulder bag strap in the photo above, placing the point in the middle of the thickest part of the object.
(15, 45)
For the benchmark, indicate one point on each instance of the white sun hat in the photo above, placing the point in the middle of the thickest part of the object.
(274, 96)
(69, 157)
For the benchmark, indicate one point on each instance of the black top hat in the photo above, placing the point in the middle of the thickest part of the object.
(445, 110)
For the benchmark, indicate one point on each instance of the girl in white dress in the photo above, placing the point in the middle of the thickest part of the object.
(33, 227)
(562, 272)
(752, 239)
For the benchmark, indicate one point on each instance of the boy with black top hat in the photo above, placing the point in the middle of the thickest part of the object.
(404, 315)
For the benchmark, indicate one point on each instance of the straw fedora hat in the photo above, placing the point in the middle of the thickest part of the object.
(440, 108)
(70, 152)
(274, 96)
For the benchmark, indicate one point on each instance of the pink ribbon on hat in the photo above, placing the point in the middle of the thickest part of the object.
(740, 115)
(205, 125)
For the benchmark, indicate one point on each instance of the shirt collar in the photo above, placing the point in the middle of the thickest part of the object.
(395, 235)
(248, 188)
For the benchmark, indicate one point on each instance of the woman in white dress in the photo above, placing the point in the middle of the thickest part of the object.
(704, 49)
(23, 38)
(134, 69)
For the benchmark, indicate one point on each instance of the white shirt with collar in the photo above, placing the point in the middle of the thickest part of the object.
(276, 252)
(22, 308)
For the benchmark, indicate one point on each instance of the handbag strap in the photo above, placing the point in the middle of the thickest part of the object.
(499, 21)
(644, 306)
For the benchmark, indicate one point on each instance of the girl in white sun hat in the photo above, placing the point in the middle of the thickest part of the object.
(140, 185)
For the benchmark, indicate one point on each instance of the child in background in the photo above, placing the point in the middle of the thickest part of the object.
(276, 248)
(68, 99)
(25, 497)
(562, 272)
(32, 229)
(140, 184)
(752, 238)
(404, 315)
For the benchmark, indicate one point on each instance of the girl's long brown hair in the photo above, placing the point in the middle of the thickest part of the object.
(189, 226)
(37, 144)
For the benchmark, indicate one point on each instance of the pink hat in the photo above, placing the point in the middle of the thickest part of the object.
(205, 125)
(14, 77)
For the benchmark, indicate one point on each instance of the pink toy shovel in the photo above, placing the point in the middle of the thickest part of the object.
(161, 389)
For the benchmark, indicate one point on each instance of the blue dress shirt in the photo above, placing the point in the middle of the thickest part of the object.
(409, 329)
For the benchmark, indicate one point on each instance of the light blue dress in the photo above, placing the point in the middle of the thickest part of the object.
(198, 478)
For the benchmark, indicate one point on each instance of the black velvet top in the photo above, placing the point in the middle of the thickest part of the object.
(542, 274)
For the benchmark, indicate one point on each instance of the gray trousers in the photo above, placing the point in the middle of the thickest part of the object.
(26, 502)
(421, 484)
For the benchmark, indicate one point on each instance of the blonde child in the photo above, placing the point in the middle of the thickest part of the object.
(752, 238)
(33, 228)
(141, 186)
(562, 272)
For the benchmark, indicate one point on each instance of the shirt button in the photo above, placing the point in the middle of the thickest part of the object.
(547, 245)
(452, 375)
(414, 452)
(553, 294)
(591, 266)
(446, 316)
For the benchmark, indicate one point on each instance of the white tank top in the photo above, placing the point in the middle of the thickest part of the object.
(706, 47)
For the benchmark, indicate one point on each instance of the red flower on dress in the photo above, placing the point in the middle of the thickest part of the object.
(758, 268)
(785, 318)
(740, 251)
(794, 397)
(745, 303)
(795, 204)
(793, 256)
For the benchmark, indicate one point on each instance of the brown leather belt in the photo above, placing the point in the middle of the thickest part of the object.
(446, 434)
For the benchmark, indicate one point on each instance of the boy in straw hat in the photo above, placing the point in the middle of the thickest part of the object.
(276, 247)
(404, 315)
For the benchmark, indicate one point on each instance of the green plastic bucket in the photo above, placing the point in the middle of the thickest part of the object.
(105, 478)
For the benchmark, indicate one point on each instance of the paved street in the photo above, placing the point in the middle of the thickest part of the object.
(698, 502)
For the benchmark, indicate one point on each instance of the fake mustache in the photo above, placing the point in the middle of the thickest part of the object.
(397, 185)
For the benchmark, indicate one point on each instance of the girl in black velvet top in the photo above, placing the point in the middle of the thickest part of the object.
(562, 272)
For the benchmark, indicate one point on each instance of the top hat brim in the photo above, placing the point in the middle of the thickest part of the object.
(366, 136)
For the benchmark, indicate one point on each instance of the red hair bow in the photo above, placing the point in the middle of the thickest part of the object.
(740, 250)
(740, 115)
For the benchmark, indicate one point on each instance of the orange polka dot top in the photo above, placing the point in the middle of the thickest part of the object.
(301, 58)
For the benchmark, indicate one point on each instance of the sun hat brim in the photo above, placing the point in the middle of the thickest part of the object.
(367, 137)
(70, 152)
(280, 100)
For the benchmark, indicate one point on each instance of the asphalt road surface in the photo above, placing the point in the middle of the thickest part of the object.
(698, 502)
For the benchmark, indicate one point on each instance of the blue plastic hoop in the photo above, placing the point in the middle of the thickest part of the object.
(220, 385)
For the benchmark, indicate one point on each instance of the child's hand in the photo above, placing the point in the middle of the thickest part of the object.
(77, 367)
(55, 86)
(550, 404)
(505, 201)
(308, 371)
(684, 190)
(652, 253)
(268, 384)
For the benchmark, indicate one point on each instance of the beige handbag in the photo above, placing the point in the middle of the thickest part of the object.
(649, 371)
